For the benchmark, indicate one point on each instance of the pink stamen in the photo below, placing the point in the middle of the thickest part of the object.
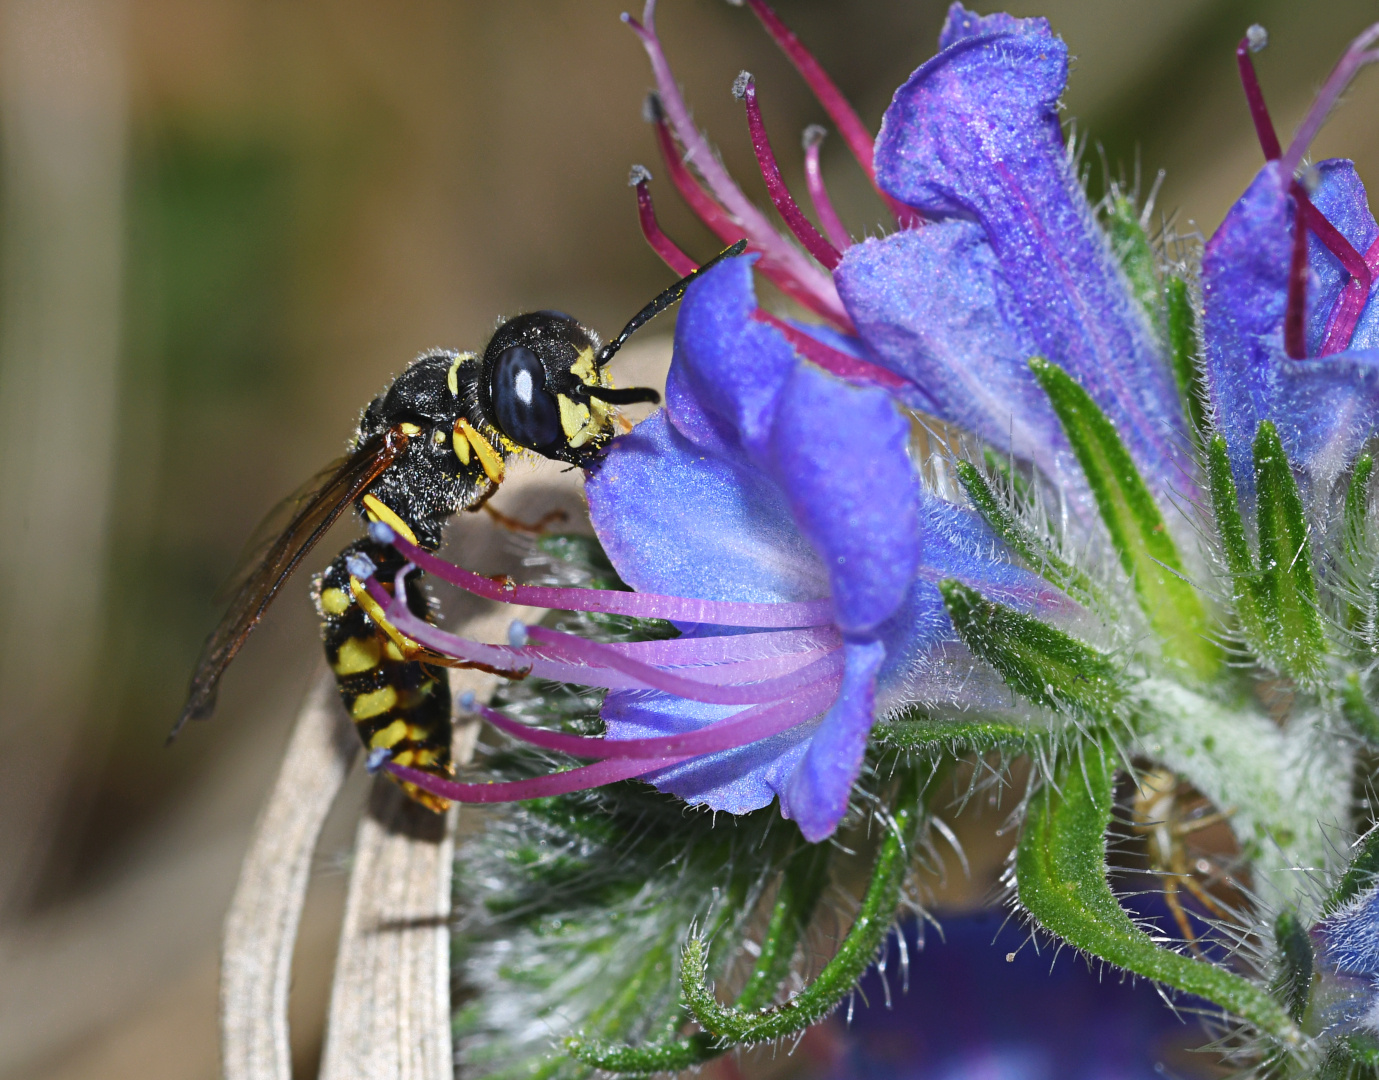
(749, 726)
(745, 88)
(568, 665)
(540, 787)
(663, 245)
(830, 359)
(859, 140)
(818, 193)
(1254, 95)
(1354, 58)
(723, 226)
(751, 222)
(1352, 301)
(597, 656)
(615, 602)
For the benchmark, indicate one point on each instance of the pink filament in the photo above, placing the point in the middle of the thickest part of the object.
(830, 359)
(723, 226)
(806, 277)
(540, 787)
(616, 602)
(1295, 315)
(660, 243)
(789, 210)
(818, 193)
(599, 657)
(1259, 112)
(748, 726)
(850, 127)
(1354, 58)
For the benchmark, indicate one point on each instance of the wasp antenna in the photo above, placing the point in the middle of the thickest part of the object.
(667, 299)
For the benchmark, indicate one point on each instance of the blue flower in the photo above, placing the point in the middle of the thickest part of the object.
(1346, 947)
(774, 512)
(1291, 328)
(1012, 265)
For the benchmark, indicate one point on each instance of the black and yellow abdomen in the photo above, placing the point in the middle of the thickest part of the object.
(400, 707)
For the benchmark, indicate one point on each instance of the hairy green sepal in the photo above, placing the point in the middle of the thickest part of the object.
(1037, 660)
(1182, 350)
(1023, 540)
(1287, 593)
(1136, 527)
(1061, 881)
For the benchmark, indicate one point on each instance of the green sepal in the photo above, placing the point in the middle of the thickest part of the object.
(1135, 254)
(1060, 868)
(1235, 548)
(839, 976)
(1147, 552)
(1294, 983)
(1357, 507)
(1361, 874)
(1039, 661)
(1182, 351)
(1355, 1057)
(1023, 540)
(1356, 708)
(918, 729)
(1287, 593)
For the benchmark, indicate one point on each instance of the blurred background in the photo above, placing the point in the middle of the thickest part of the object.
(224, 225)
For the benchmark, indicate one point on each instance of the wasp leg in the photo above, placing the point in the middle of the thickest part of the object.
(513, 524)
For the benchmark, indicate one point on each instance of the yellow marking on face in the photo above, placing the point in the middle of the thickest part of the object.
(376, 703)
(438, 436)
(409, 429)
(356, 655)
(371, 608)
(335, 601)
(379, 511)
(488, 456)
(452, 377)
(583, 368)
(388, 737)
(424, 757)
(407, 758)
(574, 417)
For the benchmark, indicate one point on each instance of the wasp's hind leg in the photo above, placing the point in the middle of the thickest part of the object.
(400, 706)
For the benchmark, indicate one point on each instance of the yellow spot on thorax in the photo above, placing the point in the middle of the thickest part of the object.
(410, 429)
(489, 458)
(376, 703)
(452, 377)
(379, 511)
(335, 601)
(356, 655)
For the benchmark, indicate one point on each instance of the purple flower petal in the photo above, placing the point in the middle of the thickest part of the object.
(1323, 408)
(840, 454)
(962, 23)
(932, 305)
(675, 519)
(735, 781)
(818, 793)
(974, 134)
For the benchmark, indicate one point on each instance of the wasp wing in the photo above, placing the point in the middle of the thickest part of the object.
(317, 510)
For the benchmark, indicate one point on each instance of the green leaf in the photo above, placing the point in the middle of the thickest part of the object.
(1294, 984)
(1044, 664)
(1287, 593)
(1182, 351)
(1060, 868)
(840, 974)
(1023, 540)
(1137, 530)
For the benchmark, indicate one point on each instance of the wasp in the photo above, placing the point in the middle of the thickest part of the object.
(433, 443)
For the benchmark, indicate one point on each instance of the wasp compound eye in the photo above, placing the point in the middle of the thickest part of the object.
(524, 409)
